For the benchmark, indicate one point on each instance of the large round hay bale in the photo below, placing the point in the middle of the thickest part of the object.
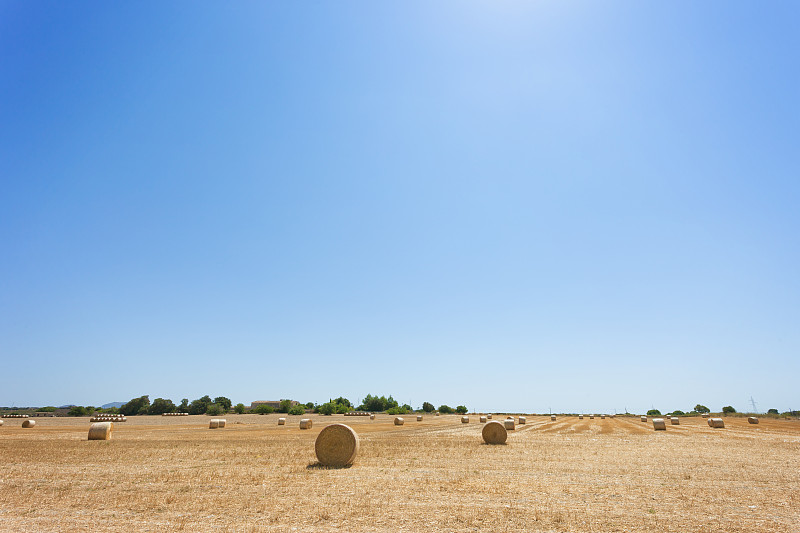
(1, 422)
(716, 422)
(398, 421)
(643, 418)
(752, 420)
(483, 419)
(29, 423)
(281, 421)
(306, 423)
(101, 430)
(419, 418)
(675, 420)
(508, 423)
(494, 433)
(465, 420)
(222, 422)
(213, 423)
(552, 418)
(336, 445)
(522, 420)
(659, 424)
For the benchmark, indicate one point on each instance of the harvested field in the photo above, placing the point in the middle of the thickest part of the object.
(172, 474)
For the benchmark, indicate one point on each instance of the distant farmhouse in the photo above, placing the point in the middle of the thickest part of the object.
(271, 403)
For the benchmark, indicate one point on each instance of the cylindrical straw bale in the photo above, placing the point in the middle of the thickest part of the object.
(336, 445)
(1, 422)
(213, 423)
(508, 423)
(591, 417)
(522, 420)
(419, 418)
(643, 418)
(494, 433)
(398, 421)
(483, 419)
(552, 417)
(29, 423)
(465, 420)
(675, 420)
(580, 417)
(437, 414)
(659, 424)
(752, 420)
(281, 421)
(101, 430)
(489, 417)
(222, 422)
(705, 415)
(372, 417)
(716, 422)
(306, 423)
(602, 417)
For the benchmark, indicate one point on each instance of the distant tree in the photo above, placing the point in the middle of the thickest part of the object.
(161, 406)
(297, 410)
(701, 408)
(397, 410)
(135, 406)
(199, 406)
(262, 409)
(77, 410)
(772, 411)
(342, 401)
(284, 406)
(728, 409)
(239, 408)
(310, 405)
(327, 408)
(678, 412)
(653, 412)
(48, 409)
(223, 402)
(428, 407)
(445, 409)
(215, 409)
(461, 409)
(90, 409)
(184, 406)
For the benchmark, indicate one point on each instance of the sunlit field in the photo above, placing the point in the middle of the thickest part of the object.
(175, 474)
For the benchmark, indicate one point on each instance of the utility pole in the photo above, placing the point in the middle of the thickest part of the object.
(753, 403)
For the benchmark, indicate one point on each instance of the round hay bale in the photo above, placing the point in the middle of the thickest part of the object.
(465, 420)
(750, 420)
(306, 423)
(659, 424)
(222, 422)
(101, 430)
(602, 417)
(398, 421)
(29, 423)
(591, 417)
(483, 419)
(494, 433)
(419, 418)
(213, 423)
(580, 417)
(716, 422)
(489, 417)
(372, 417)
(336, 445)
(508, 424)
(675, 420)
(643, 418)
(552, 418)
(437, 414)
(1, 422)
(522, 420)
(705, 415)
(281, 421)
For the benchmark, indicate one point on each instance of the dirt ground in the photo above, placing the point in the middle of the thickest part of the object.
(175, 474)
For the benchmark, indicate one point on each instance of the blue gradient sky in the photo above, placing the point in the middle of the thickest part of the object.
(575, 206)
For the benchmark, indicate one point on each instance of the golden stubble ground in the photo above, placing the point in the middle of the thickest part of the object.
(175, 474)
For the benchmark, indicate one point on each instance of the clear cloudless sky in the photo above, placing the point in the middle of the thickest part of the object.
(576, 206)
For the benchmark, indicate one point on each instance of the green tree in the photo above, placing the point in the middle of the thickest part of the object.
(342, 401)
(327, 408)
(262, 409)
(461, 409)
(184, 406)
(701, 408)
(428, 407)
(48, 409)
(310, 405)
(239, 408)
(678, 412)
(199, 406)
(445, 409)
(77, 410)
(297, 410)
(161, 406)
(223, 402)
(728, 409)
(135, 406)
(653, 412)
(772, 411)
(215, 409)
(284, 406)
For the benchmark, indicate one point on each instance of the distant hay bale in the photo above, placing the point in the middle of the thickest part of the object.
(101, 430)
(465, 420)
(522, 420)
(336, 445)
(675, 420)
(489, 417)
(752, 420)
(508, 423)
(659, 424)
(580, 417)
(419, 418)
(306, 423)
(552, 418)
(495, 433)
(398, 421)
(29, 423)
(222, 422)
(591, 417)
(483, 419)
(213, 423)
(716, 422)
(281, 421)
(705, 415)
(372, 416)
(602, 417)
(643, 418)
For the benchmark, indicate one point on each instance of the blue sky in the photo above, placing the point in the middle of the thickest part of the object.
(574, 206)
